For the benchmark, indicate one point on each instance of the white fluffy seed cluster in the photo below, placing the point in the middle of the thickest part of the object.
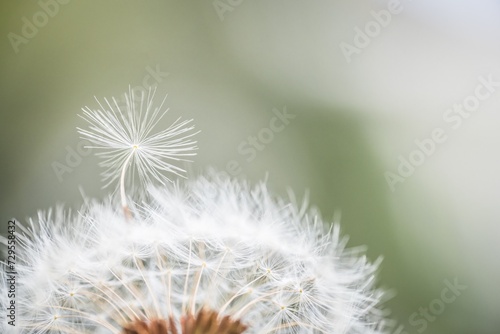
(207, 242)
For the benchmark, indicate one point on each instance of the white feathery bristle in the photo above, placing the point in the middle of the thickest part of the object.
(117, 133)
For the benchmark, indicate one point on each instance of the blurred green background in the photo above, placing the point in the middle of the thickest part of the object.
(228, 64)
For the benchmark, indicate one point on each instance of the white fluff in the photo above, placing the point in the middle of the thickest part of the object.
(205, 242)
(210, 242)
(123, 135)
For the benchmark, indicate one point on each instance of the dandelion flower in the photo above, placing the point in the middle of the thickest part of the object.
(203, 256)
(206, 244)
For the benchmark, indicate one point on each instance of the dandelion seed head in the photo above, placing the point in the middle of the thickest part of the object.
(186, 251)
(203, 256)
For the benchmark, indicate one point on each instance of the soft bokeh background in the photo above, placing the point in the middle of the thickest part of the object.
(353, 120)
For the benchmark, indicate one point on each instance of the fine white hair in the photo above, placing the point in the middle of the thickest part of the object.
(209, 242)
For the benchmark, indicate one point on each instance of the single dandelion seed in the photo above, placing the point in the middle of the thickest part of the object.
(124, 139)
